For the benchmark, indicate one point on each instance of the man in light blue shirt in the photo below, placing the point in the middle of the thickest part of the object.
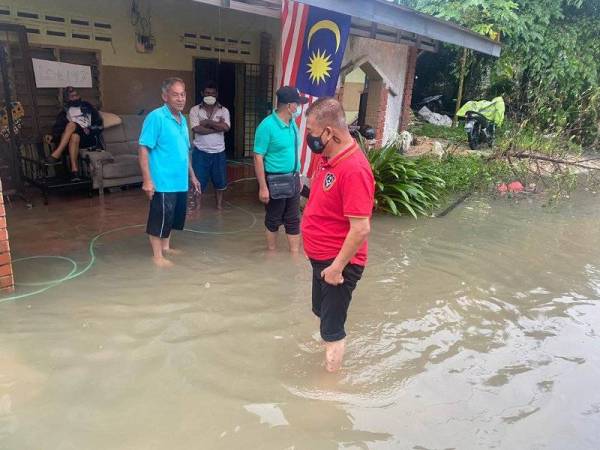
(165, 163)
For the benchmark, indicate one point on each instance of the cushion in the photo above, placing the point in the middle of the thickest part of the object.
(110, 120)
(113, 134)
(133, 147)
(120, 148)
(132, 126)
(97, 155)
(122, 167)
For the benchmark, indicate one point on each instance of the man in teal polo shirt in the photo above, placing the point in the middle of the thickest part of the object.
(276, 145)
(165, 163)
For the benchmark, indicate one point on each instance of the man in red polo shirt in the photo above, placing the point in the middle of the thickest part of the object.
(336, 221)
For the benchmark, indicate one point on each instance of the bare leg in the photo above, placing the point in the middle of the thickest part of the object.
(271, 240)
(219, 198)
(157, 250)
(74, 151)
(64, 139)
(166, 247)
(294, 242)
(334, 353)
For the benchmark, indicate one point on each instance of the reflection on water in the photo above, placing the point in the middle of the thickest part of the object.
(477, 330)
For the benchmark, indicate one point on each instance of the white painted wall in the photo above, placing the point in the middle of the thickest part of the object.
(170, 20)
(392, 117)
(391, 60)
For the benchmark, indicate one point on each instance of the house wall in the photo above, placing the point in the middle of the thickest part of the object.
(130, 80)
(391, 62)
(408, 88)
(7, 283)
(183, 30)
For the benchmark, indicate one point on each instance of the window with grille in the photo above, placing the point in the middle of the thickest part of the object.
(258, 100)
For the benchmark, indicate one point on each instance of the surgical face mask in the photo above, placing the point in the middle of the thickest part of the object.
(297, 112)
(315, 143)
(210, 100)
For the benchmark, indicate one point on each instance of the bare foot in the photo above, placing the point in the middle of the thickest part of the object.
(172, 251)
(162, 262)
(334, 353)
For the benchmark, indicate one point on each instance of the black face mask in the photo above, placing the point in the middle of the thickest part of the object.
(74, 103)
(315, 143)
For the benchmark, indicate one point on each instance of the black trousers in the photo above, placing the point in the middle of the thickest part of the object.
(330, 303)
(283, 211)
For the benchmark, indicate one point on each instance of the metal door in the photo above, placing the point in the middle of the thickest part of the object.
(19, 124)
(258, 100)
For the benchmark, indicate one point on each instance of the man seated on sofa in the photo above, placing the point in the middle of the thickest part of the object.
(77, 126)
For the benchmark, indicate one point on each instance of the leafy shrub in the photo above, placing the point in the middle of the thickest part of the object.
(404, 185)
(462, 173)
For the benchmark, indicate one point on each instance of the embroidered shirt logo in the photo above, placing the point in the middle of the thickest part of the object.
(328, 181)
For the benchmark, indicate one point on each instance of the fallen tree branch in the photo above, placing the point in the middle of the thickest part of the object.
(454, 204)
(549, 159)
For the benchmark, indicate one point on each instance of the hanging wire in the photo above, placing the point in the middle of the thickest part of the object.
(134, 13)
(220, 35)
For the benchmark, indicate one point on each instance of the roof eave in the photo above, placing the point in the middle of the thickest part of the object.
(406, 19)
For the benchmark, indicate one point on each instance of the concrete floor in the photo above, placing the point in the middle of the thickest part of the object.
(70, 220)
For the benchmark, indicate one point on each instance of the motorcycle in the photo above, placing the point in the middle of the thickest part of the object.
(479, 130)
(364, 135)
(433, 103)
(481, 119)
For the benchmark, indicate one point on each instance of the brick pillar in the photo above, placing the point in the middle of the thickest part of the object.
(7, 283)
(381, 114)
(408, 87)
(339, 94)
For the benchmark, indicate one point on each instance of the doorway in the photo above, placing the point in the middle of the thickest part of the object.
(363, 90)
(354, 100)
(246, 90)
(223, 74)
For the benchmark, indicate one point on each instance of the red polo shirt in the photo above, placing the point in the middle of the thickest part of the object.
(342, 187)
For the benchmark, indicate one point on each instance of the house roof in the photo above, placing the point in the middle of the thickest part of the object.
(381, 19)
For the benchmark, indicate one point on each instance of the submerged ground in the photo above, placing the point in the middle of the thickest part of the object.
(477, 330)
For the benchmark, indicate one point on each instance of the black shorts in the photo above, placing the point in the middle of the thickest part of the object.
(283, 211)
(86, 140)
(330, 303)
(167, 212)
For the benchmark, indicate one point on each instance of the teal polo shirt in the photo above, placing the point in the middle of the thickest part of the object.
(168, 142)
(277, 141)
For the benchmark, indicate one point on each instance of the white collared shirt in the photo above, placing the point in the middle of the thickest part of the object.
(214, 142)
(74, 114)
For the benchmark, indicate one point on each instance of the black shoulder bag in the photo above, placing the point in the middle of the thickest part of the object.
(285, 185)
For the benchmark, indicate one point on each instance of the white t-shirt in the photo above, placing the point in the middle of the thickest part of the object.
(214, 142)
(74, 114)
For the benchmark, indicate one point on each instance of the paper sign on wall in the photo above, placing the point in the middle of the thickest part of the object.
(52, 74)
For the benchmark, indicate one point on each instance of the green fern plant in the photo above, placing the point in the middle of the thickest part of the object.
(404, 185)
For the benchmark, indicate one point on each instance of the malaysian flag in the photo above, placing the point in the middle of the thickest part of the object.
(313, 41)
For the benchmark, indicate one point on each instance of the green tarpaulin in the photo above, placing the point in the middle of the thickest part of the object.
(492, 109)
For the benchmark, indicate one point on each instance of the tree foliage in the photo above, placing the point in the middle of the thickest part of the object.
(549, 71)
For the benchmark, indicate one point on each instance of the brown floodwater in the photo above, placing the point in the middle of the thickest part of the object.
(473, 331)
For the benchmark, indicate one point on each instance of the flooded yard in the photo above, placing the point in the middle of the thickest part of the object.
(473, 331)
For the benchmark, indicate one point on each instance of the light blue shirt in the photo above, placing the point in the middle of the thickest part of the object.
(168, 142)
